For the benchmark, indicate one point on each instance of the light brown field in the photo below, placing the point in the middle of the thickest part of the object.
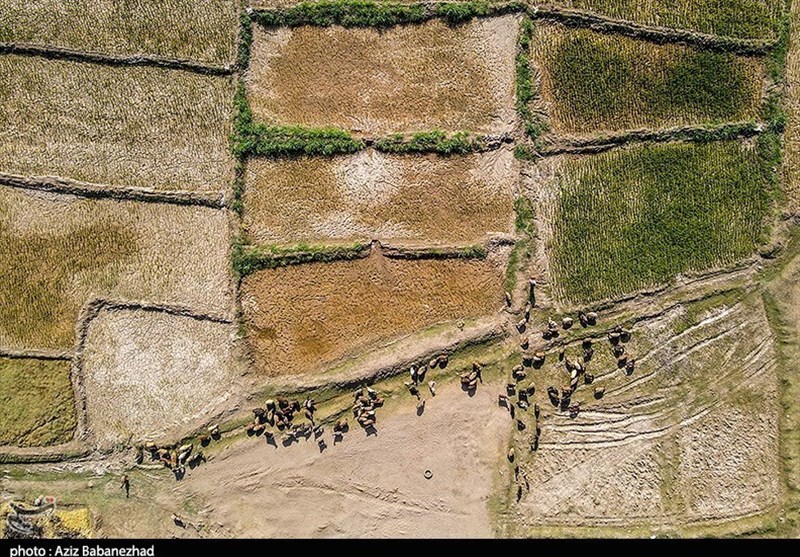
(305, 317)
(689, 439)
(366, 486)
(141, 127)
(409, 199)
(147, 374)
(403, 79)
(58, 252)
(37, 406)
(197, 30)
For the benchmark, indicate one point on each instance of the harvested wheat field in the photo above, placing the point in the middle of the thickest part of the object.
(412, 199)
(592, 82)
(686, 440)
(37, 406)
(303, 318)
(121, 126)
(146, 374)
(748, 19)
(367, 486)
(59, 252)
(402, 79)
(197, 30)
(635, 218)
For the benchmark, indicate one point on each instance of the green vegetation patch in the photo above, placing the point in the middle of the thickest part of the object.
(634, 218)
(432, 142)
(248, 258)
(748, 19)
(251, 138)
(605, 82)
(37, 405)
(361, 13)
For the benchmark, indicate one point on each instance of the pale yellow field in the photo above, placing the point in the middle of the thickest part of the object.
(133, 126)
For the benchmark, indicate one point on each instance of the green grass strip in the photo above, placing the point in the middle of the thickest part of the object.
(432, 142)
(365, 13)
(248, 258)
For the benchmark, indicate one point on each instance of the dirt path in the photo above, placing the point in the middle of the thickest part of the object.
(365, 485)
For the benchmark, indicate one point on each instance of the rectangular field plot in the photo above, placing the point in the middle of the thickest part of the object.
(634, 218)
(37, 404)
(132, 126)
(198, 30)
(689, 438)
(747, 19)
(593, 82)
(370, 195)
(402, 79)
(57, 252)
(305, 317)
(148, 373)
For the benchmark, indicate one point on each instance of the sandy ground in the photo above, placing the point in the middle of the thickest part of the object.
(402, 79)
(370, 195)
(365, 486)
(126, 126)
(305, 317)
(690, 437)
(148, 373)
(166, 254)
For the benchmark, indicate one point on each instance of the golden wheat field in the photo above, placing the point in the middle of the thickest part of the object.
(59, 252)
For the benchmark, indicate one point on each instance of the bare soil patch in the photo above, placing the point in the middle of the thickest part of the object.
(147, 374)
(305, 317)
(405, 199)
(60, 251)
(402, 79)
(126, 126)
(366, 486)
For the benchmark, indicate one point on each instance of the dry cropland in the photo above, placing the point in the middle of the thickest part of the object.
(362, 268)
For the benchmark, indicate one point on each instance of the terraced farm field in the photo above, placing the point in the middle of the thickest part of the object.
(302, 318)
(355, 268)
(687, 441)
(404, 79)
(734, 18)
(197, 30)
(59, 252)
(632, 219)
(37, 406)
(593, 82)
(408, 199)
(139, 127)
